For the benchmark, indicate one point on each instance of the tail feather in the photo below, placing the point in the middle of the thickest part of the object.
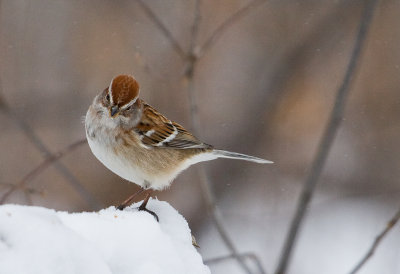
(239, 156)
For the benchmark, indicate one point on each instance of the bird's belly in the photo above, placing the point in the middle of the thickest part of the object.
(126, 169)
(116, 164)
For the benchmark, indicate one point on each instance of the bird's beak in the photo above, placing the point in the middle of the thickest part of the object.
(114, 111)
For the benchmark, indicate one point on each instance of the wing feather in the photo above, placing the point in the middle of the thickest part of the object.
(156, 130)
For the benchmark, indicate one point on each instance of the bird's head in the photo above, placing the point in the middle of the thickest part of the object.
(121, 95)
(119, 103)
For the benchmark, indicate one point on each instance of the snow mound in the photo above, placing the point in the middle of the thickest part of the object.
(40, 240)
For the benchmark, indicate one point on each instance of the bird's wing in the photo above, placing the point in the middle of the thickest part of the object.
(156, 130)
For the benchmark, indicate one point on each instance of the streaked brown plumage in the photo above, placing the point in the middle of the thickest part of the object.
(140, 144)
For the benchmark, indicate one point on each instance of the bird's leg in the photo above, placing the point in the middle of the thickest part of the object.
(128, 201)
(142, 207)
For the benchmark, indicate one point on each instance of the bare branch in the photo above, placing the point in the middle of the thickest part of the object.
(178, 49)
(377, 241)
(215, 215)
(40, 168)
(204, 180)
(227, 24)
(247, 255)
(26, 190)
(195, 26)
(275, 90)
(327, 139)
(38, 143)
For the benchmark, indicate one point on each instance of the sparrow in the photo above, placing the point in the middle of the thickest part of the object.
(141, 145)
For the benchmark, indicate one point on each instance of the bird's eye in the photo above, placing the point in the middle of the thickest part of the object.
(108, 97)
(129, 108)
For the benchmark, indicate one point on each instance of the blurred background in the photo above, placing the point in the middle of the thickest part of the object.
(264, 84)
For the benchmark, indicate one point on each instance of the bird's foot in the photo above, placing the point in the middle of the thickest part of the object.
(128, 201)
(121, 207)
(142, 207)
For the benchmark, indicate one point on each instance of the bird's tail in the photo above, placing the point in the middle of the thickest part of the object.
(239, 156)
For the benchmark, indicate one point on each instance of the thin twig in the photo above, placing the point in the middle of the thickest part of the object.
(377, 241)
(26, 190)
(195, 27)
(216, 219)
(227, 24)
(269, 99)
(247, 255)
(178, 49)
(204, 180)
(40, 168)
(38, 143)
(327, 139)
